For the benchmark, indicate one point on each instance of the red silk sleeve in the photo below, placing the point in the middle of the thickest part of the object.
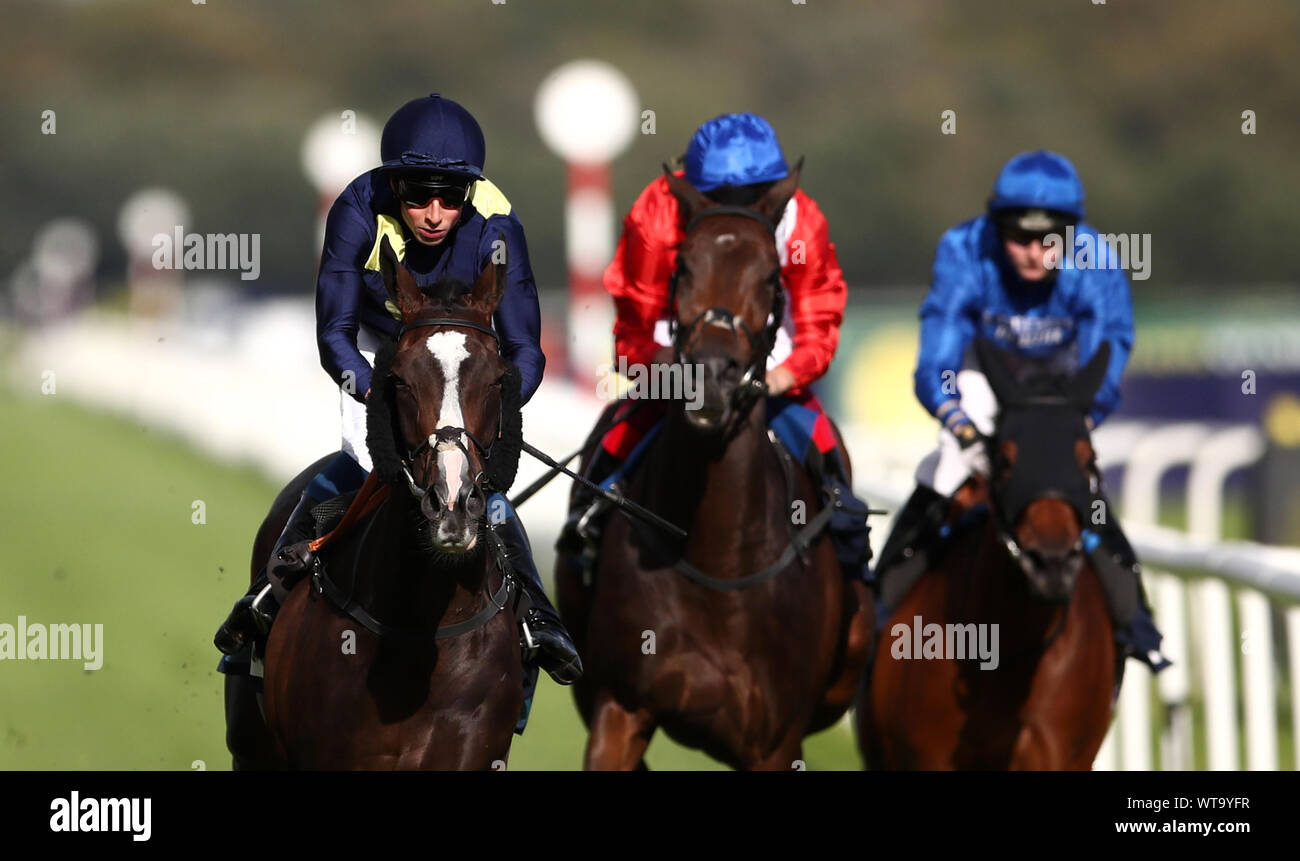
(818, 293)
(638, 276)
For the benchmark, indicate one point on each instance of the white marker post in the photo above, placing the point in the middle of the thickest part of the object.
(337, 149)
(64, 254)
(155, 292)
(586, 112)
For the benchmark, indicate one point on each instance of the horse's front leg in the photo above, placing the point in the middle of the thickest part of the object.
(619, 737)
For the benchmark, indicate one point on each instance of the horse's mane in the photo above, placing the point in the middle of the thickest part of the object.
(449, 295)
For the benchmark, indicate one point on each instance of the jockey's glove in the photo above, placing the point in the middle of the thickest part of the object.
(973, 448)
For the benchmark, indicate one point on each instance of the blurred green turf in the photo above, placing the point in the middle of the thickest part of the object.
(96, 527)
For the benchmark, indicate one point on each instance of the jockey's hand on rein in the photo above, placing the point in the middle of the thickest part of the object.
(779, 381)
(973, 448)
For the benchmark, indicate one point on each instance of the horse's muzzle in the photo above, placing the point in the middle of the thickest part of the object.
(454, 529)
(719, 378)
(1052, 576)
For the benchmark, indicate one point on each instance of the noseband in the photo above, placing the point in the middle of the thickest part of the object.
(760, 345)
(448, 433)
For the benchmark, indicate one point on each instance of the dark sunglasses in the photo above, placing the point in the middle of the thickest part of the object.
(414, 192)
(1023, 237)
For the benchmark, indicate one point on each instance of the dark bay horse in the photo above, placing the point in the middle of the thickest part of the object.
(747, 665)
(440, 686)
(1021, 581)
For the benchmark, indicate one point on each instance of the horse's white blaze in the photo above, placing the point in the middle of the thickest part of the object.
(449, 349)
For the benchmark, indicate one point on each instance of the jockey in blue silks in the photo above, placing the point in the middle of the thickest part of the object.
(441, 216)
(995, 277)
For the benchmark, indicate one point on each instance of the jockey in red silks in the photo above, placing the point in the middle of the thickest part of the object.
(733, 159)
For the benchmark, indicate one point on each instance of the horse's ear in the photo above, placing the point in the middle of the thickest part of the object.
(1082, 388)
(399, 282)
(490, 285)
(773, 201)
(690, 200)
(995, 370)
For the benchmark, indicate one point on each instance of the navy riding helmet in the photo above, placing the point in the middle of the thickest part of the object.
(433, 134)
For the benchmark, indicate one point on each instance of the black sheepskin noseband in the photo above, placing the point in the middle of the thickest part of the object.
(381, 419)
(382, 429)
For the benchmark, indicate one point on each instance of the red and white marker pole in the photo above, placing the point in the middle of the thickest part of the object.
(587, 113)
(589, 246)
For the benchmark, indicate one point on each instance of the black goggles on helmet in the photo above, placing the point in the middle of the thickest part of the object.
(419, 190)
(1023, 226)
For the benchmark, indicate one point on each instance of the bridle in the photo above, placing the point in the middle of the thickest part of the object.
(752, 381)
(448, 433)
(1002, 519)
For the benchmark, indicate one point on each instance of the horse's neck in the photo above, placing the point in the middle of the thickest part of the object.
(725, 482)
(400, 585)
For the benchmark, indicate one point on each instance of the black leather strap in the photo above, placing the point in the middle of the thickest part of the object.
(799, 542)
(449, 321)
(498, 601)
(742, 211)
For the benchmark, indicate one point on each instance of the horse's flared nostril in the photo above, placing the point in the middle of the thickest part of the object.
(474, 503)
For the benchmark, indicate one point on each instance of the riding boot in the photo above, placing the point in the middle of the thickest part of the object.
(586, 517)
(1140, 638)
(542, 634)
(849, 529)
(914, 526)
(252, 614)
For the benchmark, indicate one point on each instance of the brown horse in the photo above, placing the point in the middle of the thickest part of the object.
(1016, 662)
(422, 670)
(729, 641)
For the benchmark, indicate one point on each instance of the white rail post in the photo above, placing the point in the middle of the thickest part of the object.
(1225, 452)
(1113, 443)
(1152, 456)
(1293, 654)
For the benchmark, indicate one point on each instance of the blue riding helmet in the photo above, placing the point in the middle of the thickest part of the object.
(1038, 180)
(434, 134)
(734, 149)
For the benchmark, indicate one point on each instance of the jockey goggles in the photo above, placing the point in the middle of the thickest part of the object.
(1023, 226)
(419, 190)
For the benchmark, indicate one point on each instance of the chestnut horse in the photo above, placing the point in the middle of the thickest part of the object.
(423, 670)
(1043, 699)
(743, 638)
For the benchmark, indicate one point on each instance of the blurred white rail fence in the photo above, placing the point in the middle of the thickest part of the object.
(244, 382)
(1189, 577)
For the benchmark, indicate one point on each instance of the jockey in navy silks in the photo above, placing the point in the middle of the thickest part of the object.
(441, 216)
(994, 276)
